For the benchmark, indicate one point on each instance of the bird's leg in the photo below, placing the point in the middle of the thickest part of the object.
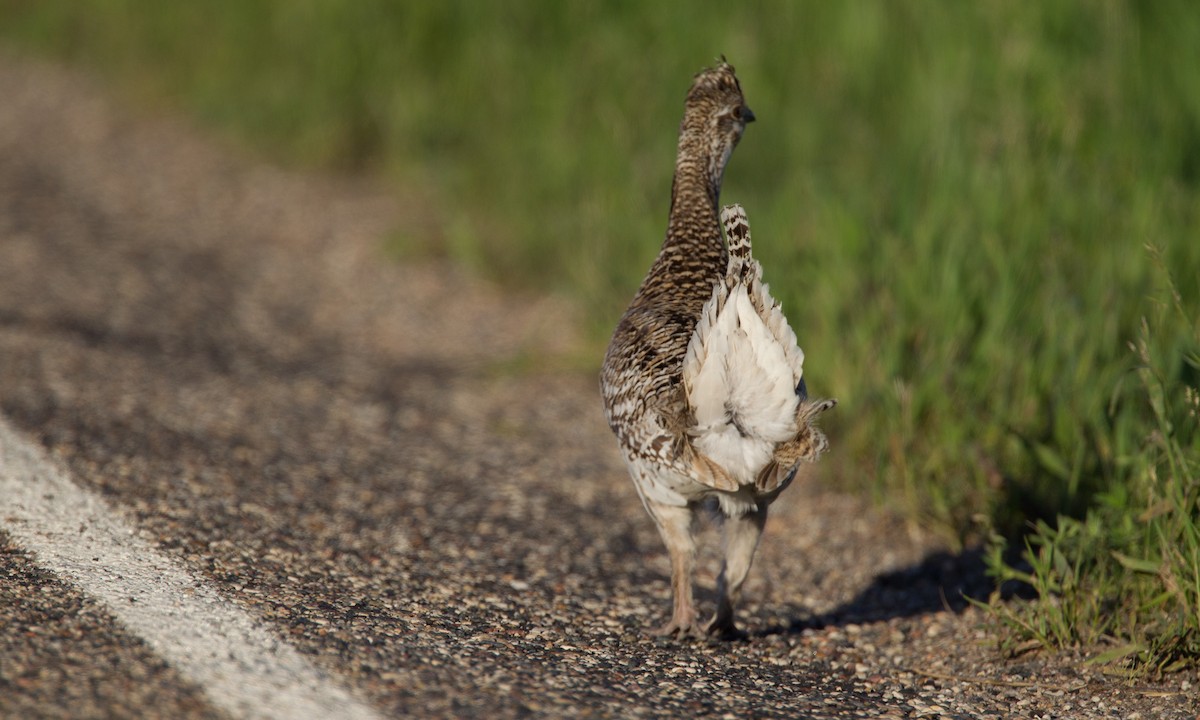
(675, 525)
(740, 538)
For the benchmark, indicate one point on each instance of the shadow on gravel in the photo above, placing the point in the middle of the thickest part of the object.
(941, 582)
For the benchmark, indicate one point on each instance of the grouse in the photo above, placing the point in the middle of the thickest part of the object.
(703, 381)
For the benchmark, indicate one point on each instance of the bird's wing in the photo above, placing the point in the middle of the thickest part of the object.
(645, 402)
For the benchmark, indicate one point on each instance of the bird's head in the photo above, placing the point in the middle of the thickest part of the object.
(715, 114)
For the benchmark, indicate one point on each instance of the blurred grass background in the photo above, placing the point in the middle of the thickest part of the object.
(967, 209)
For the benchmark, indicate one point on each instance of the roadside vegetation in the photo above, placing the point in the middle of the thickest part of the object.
(983, 220)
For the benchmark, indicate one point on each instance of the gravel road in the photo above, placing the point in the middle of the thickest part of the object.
(341, 445)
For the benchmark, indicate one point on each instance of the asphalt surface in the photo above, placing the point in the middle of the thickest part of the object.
(385, 466)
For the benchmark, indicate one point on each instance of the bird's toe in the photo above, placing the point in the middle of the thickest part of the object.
(680, 629)
(718, 629)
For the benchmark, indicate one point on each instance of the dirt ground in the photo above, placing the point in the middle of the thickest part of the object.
(386, 465)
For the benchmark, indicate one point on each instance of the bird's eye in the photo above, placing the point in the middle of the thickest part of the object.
(737, 112)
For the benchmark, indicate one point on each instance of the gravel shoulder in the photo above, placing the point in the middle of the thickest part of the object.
(340, 444)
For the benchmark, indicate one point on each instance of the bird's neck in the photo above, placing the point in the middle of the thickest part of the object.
(695, 194)
(693, 254)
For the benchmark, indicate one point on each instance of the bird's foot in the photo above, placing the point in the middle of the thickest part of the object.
(681, 627)
(723, 629)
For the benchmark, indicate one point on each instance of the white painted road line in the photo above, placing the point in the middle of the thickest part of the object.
(244, 668)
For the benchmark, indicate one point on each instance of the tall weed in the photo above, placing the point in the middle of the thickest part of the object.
(1128, 572)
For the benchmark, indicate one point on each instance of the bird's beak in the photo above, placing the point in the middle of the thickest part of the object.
(747, 114)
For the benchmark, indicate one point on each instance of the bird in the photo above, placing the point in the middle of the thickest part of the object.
(702, 381)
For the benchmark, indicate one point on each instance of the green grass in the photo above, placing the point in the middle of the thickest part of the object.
(1127, 573)
(954, 202)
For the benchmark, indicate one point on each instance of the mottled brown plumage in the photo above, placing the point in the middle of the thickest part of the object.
(702, 379)
(642, 367)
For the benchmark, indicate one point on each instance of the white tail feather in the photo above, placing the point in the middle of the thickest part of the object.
(742, 366)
